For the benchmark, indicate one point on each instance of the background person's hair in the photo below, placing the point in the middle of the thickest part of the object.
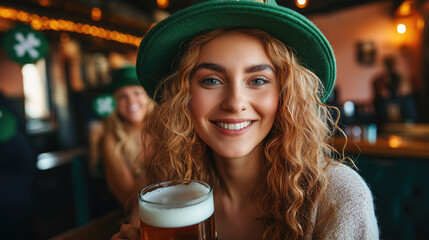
(295, 149)
(126, 146)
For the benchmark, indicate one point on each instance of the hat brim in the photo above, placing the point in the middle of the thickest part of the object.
(159, 48)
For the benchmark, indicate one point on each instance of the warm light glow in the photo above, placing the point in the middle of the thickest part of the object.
(301, 3)
(6, 13)
(23, 16)
(401, 28)
(420, 24)
(152, 25)
(44, 3)
(162, 3)
(394, 141)
(405, 8)
(36, 24)
(54, 25)
(96, 14)
(64, 37)
(44, 23)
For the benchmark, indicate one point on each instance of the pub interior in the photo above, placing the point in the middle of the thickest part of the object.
(47, 174)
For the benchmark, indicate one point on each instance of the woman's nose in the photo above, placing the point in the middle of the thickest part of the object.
(235, 99)
(131, 99)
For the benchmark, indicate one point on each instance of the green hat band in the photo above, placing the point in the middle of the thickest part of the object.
(159, 48)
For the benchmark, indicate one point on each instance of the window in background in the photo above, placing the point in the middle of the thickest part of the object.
(37, 111)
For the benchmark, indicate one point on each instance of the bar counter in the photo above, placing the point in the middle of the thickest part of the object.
(397, 140)
(393, 145)
(394, 162)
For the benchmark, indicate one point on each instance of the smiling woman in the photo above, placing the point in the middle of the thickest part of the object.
(239, 111)
(121, 144)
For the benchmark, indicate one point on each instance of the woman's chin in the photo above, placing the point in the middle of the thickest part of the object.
(135, 121)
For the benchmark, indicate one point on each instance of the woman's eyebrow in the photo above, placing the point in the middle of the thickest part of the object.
(259, 67)
(221, 69)
(210, 66)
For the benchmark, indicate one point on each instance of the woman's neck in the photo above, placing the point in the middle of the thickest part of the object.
(241, 177)
(135, 126)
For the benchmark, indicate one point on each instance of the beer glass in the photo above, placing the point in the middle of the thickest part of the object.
(176, 210)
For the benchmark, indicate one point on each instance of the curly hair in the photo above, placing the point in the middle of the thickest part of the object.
(296, 151)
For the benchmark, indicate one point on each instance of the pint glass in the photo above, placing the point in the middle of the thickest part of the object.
(177, 210)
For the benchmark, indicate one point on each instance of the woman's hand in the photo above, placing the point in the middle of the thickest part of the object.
(127, 231)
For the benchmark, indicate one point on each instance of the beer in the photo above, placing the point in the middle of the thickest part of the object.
(177, 210)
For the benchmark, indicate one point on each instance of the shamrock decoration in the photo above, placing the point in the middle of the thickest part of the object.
(104, 105)
(25, 45)
(8, 125)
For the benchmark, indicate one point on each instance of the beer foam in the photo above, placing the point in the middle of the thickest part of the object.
(179, 216)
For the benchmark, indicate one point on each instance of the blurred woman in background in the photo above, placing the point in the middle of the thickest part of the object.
(121, 145)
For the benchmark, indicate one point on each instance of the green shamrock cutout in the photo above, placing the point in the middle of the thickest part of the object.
(104, 105)
(25, 45)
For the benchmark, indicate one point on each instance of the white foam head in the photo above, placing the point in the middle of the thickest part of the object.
(176, 206)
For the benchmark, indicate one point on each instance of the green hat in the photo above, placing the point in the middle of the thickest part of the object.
(125, 76)
(8, 125)
(159, 48)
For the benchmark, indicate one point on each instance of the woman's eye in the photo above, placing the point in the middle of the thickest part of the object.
(210, 81)
(259, 81)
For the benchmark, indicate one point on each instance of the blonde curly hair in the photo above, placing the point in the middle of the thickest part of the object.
(296, 151)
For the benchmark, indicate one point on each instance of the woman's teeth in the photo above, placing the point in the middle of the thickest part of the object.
(134, 108)
(233, 126)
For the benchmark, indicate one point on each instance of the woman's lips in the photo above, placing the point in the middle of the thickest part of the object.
(233, 127)
(134, 108)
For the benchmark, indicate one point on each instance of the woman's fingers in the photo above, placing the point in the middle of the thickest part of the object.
(128, 232)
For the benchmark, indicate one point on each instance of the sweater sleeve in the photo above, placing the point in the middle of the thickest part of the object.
(348, 210)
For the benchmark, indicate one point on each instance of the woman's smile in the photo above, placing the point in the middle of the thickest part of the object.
(233, 126)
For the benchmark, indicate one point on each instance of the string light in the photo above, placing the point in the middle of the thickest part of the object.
(162, 3)
(301, 3)
(96, 14)
(405, 8)
(394, 141)
(44, 3)
(44, 23)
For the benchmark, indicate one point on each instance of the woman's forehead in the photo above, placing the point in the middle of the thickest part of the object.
(233, 44)
(127, 89)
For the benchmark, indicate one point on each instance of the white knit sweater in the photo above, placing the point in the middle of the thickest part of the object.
(354, 216)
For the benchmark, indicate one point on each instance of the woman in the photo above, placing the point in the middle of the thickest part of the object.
(241, 113)
(122, 144)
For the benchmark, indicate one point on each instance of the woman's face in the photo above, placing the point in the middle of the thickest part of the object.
(131, 103)
(234, 94)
